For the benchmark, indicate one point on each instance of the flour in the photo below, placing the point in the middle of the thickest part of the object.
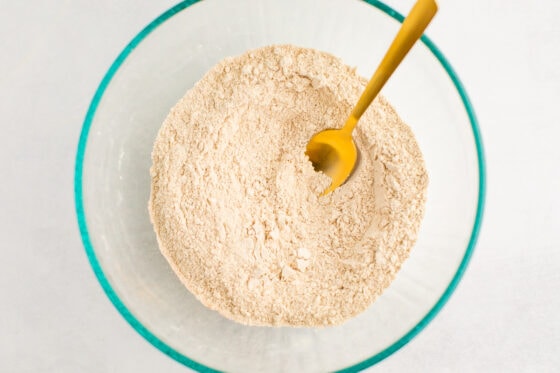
(235, 202)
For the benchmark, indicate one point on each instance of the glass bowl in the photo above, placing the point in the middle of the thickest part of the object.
(112, 181)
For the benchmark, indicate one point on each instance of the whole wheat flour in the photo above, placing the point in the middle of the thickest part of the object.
(235, 202)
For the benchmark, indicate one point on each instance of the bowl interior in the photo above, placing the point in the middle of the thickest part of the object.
(113, 181)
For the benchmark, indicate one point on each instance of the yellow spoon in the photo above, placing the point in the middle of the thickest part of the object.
(333, 151)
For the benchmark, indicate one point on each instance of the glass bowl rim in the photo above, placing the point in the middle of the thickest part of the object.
(161, 345)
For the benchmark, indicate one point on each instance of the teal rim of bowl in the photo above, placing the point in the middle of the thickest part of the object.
(170, 351)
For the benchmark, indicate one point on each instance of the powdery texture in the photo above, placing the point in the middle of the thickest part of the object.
(235, 202)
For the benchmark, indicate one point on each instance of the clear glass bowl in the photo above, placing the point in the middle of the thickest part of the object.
(112, 181)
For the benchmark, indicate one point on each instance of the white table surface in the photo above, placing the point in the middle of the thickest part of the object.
(54, 317)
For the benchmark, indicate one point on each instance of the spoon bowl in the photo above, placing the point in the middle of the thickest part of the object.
(334, 153)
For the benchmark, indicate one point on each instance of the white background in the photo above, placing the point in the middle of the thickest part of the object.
(54, 317)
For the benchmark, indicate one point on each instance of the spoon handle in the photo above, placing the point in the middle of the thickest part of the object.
(411, 30)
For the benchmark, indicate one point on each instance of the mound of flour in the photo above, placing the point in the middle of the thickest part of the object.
(235, 202)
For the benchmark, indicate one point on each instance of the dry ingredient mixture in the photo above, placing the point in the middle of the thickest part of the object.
(235, 202)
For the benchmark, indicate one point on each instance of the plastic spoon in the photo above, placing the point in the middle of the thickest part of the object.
(333, 151)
